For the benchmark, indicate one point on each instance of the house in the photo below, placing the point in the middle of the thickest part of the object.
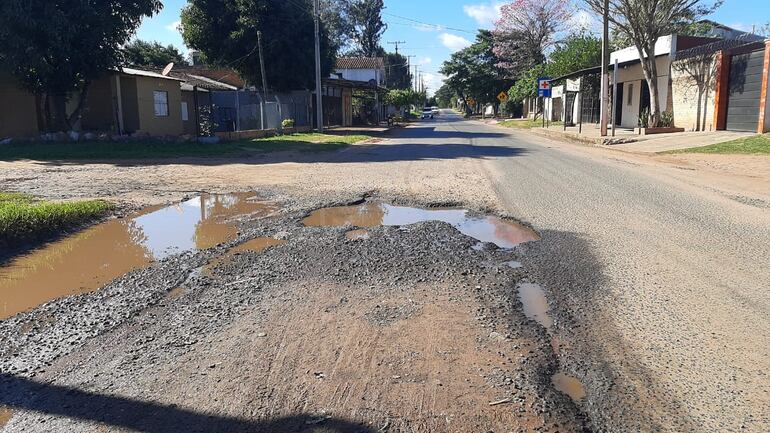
(691, 72)
(352, 94)
(121, 102)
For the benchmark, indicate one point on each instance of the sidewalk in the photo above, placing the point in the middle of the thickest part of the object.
(627, 140)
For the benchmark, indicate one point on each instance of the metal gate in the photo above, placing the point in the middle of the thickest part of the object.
(745, 86)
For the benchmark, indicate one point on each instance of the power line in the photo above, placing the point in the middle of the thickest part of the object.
(435, 26)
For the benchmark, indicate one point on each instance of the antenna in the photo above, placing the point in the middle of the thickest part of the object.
(167, 69)
(396, 43)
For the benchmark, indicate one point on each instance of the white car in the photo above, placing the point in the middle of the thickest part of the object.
(427, 113)
(434, 110)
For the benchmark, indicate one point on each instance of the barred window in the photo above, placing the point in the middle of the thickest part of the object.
(161, 103)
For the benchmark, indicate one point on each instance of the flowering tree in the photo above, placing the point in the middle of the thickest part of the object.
(525, 30)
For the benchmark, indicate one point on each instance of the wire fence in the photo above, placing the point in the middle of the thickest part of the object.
(245, 110)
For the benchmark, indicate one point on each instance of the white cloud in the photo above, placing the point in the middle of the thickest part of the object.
(174, 27)
(424, 61)
(585, 21)
(485, 14)
(454, 42)
(433, 81)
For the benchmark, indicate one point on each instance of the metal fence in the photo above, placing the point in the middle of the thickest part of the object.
(245, 110)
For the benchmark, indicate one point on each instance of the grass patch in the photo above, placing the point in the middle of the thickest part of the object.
(755, 145)
(24, 219)
(525, 123)
(151, 149)
(310, 142)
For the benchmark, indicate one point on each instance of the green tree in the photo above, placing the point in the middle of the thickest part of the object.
(475, 71)
(336, 19)
(151, 54)
(573, 54)
(446, 96)
(643, 22)
(226, 33)
(57, 48)
(368, 27)
(397, 72)
(400, 98)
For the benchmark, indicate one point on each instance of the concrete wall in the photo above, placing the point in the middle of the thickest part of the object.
(148, 122)
(693, 92)
(18, 116)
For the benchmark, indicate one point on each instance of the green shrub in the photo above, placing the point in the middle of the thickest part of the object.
(288, 123)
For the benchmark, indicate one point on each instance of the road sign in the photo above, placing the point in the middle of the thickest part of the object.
(544, 87)
(503, 97)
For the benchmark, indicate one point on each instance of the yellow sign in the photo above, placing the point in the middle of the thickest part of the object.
(503, 97)
(471, 101)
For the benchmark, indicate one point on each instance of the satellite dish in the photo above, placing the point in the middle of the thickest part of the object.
(167, 69)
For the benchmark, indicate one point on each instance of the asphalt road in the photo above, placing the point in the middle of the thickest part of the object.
(660, 290)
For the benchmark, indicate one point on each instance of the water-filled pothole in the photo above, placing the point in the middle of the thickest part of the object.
(255, 245)
(95, 256)
(5, 415)
(535, 304)
(503, 233)
(569, 385)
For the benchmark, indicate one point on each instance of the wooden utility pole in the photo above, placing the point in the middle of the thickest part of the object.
(318, 95)
(603, 115)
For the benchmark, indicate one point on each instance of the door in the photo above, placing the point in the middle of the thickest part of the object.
(744, 89)
(569, 108)
(619, 104)
(644, 99)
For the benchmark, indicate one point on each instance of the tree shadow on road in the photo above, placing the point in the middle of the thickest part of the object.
(24, 394)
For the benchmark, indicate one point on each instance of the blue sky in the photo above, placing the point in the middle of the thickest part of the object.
(434, 29)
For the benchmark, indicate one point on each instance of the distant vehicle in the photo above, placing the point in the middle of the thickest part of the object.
(427, 113)
(434, 110)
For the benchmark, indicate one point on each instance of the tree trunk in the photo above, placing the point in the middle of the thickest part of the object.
(74, 117)
(59, 120)
(650, 69)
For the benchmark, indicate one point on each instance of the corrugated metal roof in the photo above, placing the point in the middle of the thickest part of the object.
(202, 82)
(142, 73)
(360, 63)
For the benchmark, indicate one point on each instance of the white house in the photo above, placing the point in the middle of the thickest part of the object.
(363, 69)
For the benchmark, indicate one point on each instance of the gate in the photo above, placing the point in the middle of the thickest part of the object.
(745, 87)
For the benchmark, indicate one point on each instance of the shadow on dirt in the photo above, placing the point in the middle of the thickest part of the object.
(25, 394)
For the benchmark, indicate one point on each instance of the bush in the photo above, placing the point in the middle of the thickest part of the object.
(288, 123)
(666, 119)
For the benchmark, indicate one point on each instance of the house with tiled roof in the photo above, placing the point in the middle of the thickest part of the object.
(364, 69)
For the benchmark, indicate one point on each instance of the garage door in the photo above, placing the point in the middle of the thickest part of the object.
(745, 89)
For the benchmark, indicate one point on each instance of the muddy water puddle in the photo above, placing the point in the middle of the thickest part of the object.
(535, 304)
(569, 386)
(255, 245)
(5, 415)
(503, 233)
(95, 256)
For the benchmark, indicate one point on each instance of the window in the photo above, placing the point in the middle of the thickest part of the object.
(161, 103)
(185, 114)
(630, 94)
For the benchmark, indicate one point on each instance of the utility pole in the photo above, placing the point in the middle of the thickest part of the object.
(605, 87)
(409, 68)
(396, 43)
(262, 64)
(318, 95)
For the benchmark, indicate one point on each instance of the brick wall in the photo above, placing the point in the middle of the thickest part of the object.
(693, 86)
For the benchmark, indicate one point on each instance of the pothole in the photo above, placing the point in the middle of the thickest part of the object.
(95, 256)
(5, 415)
(535, 304)
(487, 229)
(255, 245)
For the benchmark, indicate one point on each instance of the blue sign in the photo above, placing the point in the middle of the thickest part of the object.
(544, 87)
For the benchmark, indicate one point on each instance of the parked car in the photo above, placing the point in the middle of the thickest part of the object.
(434, 110)
(427, 113)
